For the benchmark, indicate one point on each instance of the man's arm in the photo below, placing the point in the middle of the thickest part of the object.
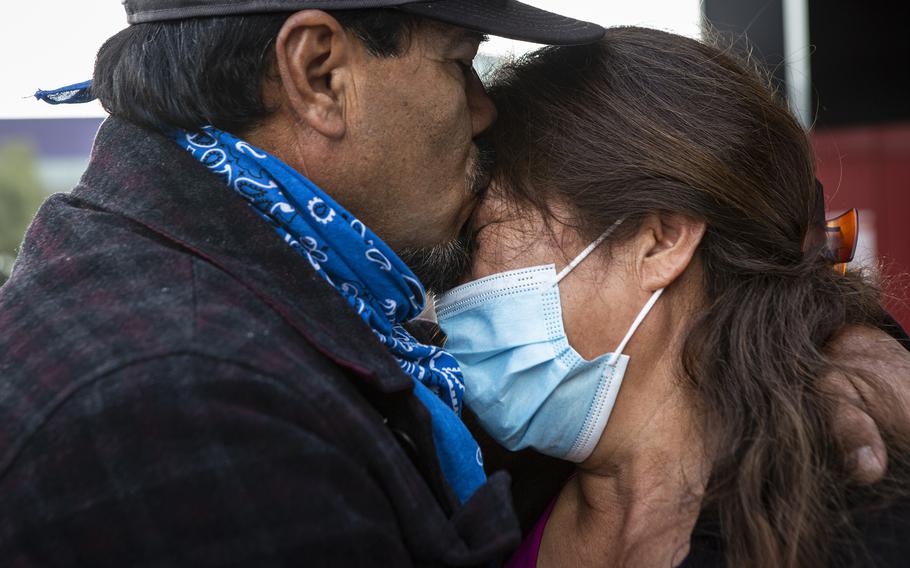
(861, 413)
(894, 329)
(186, 462)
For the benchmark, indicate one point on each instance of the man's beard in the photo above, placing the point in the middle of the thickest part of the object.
(442, 267)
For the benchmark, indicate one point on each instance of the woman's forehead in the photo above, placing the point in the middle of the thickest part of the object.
(508, 236)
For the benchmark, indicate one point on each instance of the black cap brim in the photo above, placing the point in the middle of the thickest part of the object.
(509, 19)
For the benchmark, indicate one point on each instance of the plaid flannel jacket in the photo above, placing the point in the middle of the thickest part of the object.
(178, 387)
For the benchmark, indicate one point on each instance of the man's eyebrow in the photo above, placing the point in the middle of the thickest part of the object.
(466, 36)
(479, 37)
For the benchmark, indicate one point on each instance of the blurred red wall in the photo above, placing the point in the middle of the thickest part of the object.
(869, 168)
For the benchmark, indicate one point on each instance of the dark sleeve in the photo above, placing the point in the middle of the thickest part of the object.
(895, 330)
(882, 534)
(185, 462)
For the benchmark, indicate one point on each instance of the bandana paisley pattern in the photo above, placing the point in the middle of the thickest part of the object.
(353, 260)
(364, 270)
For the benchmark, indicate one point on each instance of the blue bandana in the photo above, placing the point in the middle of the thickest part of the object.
(363, 269)
(69, 95)
(354, 261)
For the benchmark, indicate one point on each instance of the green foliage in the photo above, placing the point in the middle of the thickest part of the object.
(20, 196)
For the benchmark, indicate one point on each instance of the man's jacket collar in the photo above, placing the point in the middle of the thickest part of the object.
(146, 177)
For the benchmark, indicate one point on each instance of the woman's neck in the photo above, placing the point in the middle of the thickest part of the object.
(635, 501)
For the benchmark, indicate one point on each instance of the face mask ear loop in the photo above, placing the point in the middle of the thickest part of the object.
(641, 317)
(588, 250)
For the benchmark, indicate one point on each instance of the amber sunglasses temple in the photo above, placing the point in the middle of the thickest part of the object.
(841, 234)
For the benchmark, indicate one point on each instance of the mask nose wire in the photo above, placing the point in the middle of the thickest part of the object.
(588, 250)
(641, 317)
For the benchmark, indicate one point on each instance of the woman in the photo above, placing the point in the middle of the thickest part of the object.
(654, 225)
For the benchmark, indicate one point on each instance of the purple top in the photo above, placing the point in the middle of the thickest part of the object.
(526, 555)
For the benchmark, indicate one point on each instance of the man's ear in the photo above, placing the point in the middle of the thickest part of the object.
(668, 243)
(313, 55)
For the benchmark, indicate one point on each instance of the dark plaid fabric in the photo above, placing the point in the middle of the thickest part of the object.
(179, 388)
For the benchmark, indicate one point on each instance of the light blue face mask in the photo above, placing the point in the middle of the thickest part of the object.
(523, 380)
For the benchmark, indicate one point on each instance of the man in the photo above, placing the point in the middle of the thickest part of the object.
(189, 377)
(181, 387)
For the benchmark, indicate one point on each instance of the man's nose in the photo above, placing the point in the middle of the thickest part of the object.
(483, 111)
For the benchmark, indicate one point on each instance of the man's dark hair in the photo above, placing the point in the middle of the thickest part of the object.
(200, 71)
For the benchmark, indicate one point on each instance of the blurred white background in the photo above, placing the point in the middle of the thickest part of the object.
(51, 43)
(679, 16)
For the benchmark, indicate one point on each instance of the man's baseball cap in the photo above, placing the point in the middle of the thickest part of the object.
(505, 18)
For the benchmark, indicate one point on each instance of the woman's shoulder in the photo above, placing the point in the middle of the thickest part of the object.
(879, 536)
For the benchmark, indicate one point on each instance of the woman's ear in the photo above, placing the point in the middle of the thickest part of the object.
(668, 243)
(313, 57)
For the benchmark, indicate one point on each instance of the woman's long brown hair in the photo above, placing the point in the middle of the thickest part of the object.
(647, 122)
